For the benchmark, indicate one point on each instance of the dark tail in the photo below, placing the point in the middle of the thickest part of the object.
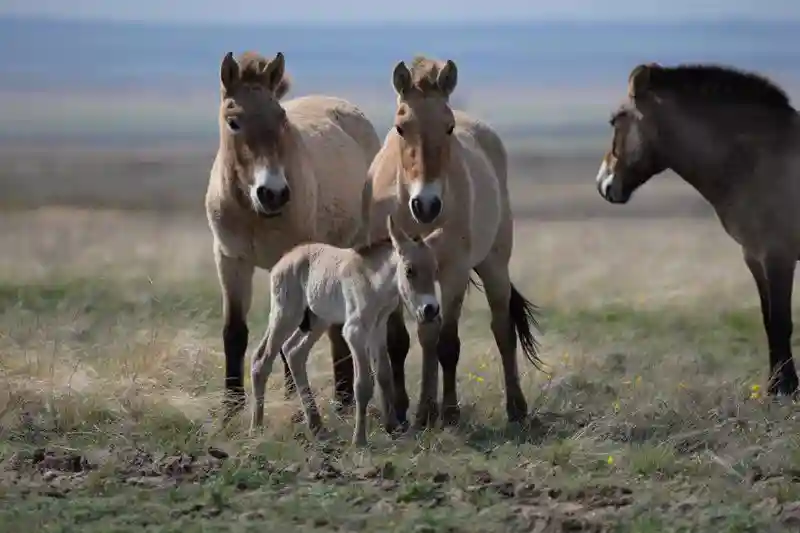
(524, 314)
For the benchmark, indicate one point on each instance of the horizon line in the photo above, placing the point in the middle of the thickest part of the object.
(464, 22)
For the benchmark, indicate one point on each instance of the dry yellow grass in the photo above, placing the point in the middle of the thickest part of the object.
(651, 418)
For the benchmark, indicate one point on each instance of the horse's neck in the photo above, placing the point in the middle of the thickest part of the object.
(706, 161)
(383, 268)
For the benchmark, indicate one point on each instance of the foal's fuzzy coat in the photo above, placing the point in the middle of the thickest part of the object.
(316, 285)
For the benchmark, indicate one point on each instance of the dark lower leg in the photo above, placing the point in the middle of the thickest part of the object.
(397, 344)
(427, 410)
(234, 339)
(342, 367)
(780, 280)
(506, 338)
(448, 352)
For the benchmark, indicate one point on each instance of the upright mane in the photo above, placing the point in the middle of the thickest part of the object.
(251, 68)
(717, 83)
(425, 73)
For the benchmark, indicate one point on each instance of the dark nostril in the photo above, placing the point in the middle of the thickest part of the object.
(429, 311)
(285, 195)
(416, 206)
(436, 206)
(263, 194)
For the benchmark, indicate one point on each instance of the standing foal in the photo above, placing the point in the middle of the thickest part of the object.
(316, 285)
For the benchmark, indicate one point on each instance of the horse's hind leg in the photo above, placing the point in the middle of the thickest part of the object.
(236, 284)
(298, 351)
(497, 285)
(342, 368)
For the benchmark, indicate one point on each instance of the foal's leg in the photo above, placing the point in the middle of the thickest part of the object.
(236, 282)
(282, 326)
(774, 276)
(497, 285)
(358, 339)
(342, 368)
(297, 356)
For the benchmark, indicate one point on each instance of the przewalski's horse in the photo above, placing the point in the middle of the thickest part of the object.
(284, 174)
(316, 285)
(442, 169)
(735, 137)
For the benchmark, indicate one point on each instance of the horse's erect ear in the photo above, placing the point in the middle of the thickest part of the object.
(273, 74)
(448, 78)
(640, 78)
(401, 78)
(229, 72)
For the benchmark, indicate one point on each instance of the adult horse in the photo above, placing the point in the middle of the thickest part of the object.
(285, 173)
(440, 168)
(735, 137)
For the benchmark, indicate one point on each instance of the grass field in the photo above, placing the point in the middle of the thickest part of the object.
(650, 419)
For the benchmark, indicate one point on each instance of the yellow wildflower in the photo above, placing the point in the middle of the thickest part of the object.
(755, 392)
(610, 460)
(638, 380)
(616, 406)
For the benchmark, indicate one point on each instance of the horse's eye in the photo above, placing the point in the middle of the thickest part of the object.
(399, 130)
(450, 129)
(410, 272)
(233, 125)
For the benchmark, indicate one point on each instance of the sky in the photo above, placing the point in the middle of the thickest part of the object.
(260, 11)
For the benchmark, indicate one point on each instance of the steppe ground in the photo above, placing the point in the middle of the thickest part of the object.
(650, 419)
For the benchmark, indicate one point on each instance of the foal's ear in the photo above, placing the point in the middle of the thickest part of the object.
(640, 79)
(396, 233)
(448, 78)
(401, 78)
(274, 73)
(229, 72)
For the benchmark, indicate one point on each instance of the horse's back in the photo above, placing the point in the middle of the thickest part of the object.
(485, 160)
(341, 142)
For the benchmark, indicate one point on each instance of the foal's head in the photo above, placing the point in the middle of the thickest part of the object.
(424, 125)
(254, 129)
(416, 274)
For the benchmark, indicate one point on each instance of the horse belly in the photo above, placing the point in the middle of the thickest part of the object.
(326, 300)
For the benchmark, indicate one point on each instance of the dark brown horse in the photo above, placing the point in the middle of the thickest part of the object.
(735, 137)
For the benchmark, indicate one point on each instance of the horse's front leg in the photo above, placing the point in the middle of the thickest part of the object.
(236, 284)
(448, 349)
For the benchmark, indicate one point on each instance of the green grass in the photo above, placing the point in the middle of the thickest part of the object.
(644, 423)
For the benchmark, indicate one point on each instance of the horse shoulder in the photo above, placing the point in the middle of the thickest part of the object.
(229, 223)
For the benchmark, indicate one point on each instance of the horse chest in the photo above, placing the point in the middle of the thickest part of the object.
(270, 244)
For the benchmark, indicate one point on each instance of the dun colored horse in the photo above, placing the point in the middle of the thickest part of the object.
(442, 169)
(316, 285)
(284, 174)
(735, 137)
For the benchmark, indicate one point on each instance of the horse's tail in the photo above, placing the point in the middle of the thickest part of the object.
(524, 314)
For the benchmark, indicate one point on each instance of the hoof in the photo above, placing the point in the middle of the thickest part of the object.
(783, 387)
(426, 416)
(451, 415)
